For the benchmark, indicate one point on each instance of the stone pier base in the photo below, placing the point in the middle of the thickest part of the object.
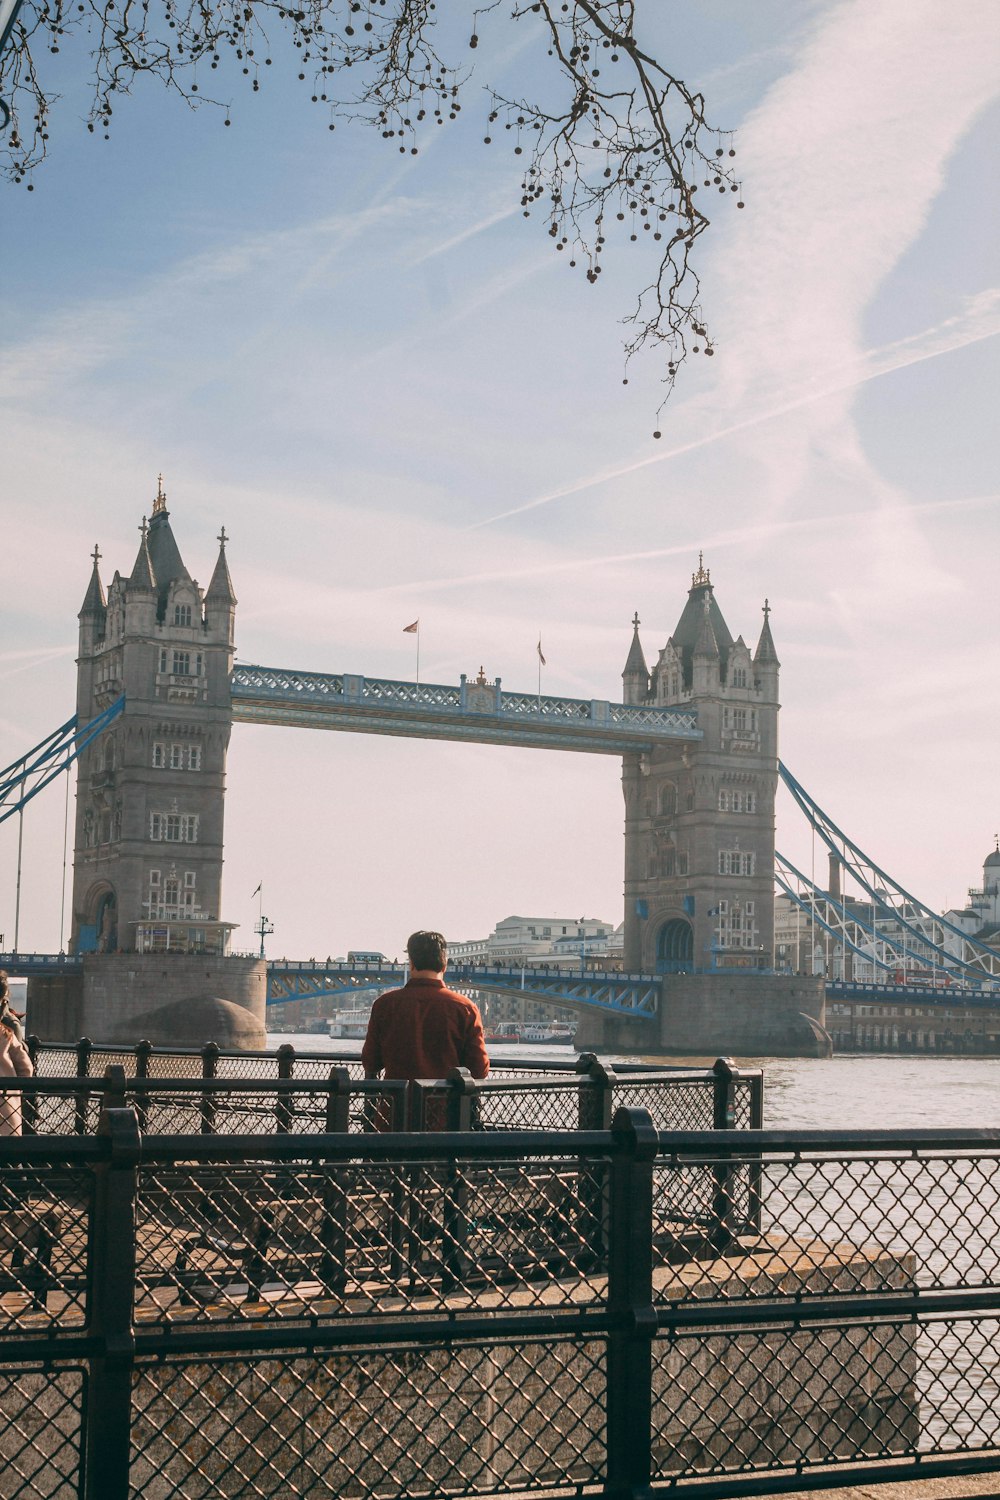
(179, 999)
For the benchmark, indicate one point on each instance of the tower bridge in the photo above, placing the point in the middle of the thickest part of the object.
(158, 691)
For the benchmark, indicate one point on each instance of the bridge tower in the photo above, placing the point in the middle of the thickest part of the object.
(147, 866)
(699, 815)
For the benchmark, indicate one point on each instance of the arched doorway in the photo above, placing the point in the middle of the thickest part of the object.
(675, 948)
(106, 923)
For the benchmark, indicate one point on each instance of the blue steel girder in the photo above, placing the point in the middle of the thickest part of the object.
(469, 711)
(893, 900)
(31, 774)
(635, 995)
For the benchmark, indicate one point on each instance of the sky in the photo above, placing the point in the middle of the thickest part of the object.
(400, 403)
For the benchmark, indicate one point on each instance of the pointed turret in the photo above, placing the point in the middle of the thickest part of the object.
(142, 576)
(221, 587)
(220, 600)
(163, 551)
(765, 655)
(688, 628)
(635, 675)
(95, 600)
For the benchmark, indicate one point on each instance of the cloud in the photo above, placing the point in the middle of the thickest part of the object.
(979, 320)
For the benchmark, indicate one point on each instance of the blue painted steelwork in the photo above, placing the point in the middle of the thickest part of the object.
(925, 994)
(18, 965)
(634, 995)
(893, 901)
(54, 754)
(472, 711)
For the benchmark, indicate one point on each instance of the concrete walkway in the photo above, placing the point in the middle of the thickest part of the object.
(962, 1487)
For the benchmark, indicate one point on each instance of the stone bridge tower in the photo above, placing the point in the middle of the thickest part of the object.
(699, 816)
(147, 868)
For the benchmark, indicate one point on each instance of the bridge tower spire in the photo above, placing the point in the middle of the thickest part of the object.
(699, 815)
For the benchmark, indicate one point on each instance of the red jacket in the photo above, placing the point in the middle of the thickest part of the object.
(423, 1031)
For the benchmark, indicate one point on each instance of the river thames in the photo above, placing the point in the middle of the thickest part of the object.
(847, 1092)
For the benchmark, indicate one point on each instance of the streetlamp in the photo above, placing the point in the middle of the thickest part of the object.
(264, 927)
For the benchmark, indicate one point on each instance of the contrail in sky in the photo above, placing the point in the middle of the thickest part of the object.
(959, 333)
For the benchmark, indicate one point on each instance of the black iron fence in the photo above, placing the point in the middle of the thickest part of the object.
(619, 1311)
(206, 1090)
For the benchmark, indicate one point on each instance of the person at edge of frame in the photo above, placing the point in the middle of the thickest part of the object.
(9, 1017)
(15, 1062)
(424, 1029)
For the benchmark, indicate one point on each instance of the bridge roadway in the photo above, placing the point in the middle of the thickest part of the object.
(621, 994)
(471, 711)
(626, 995)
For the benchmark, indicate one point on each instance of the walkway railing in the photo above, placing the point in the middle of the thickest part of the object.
(209, 1091)
(489, 1313)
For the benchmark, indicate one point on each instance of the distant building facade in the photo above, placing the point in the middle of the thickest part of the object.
(148, 849)
(699, 816)
(553, 941)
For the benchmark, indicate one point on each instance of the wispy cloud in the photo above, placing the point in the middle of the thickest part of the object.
(980, 320)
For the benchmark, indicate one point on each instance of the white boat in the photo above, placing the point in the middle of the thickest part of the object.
(349, 1025)
(533, 1033)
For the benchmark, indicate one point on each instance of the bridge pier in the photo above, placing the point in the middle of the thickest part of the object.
(179, 999)
(749, 1015)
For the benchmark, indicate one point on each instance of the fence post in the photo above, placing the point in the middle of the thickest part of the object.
(723, 1118)
(83, 1049)
(596, 1092)
(112, 1256)
(631, 1313)
(114, 1088)
(338, 1102)
(143, 1054)
(283, 1102)
(333, 1230)
(209, 1068)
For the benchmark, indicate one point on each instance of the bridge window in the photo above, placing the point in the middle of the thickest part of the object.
(182, 614)
(159, 754)
(174, 828)
(182, 664)
(163, 661)
(739, 677)
(737, 862)
(668, 799)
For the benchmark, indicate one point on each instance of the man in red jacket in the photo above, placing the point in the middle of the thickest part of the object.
(424, 1030)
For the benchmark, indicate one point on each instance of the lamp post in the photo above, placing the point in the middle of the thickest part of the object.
(264, 927)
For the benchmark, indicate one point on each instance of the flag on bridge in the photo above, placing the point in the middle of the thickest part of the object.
(541, 658)
(258, 890)
(412, 629)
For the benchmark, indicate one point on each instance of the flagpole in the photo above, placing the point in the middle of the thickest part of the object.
(418, 653)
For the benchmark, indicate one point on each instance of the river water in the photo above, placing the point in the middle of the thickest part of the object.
(862, 1092)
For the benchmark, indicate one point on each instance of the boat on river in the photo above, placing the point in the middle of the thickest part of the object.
(532, 1033)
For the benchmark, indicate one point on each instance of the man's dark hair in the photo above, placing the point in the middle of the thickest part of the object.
(427, 950)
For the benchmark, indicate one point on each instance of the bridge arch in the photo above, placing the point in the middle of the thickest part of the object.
(675, 947)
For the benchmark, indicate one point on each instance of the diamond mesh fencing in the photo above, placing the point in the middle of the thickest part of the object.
(755, 1400)
(251, 1241)
(40, 1431)
(391, 1421)
(749, 1227)
(468, 1313)
(44, 1226)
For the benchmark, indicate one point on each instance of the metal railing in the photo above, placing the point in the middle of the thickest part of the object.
(397, 1315)
(196, 1092)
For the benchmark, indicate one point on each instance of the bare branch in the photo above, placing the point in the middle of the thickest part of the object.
(617, 150)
